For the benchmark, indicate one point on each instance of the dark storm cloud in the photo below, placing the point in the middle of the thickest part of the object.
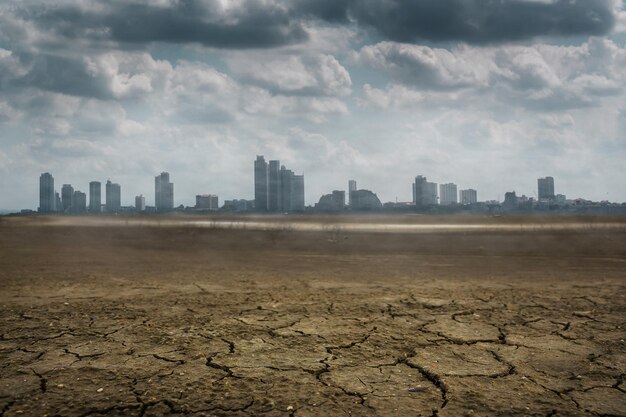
(254, 27)
(64, 75)
(471, 21)
(270, 24)
(185, 21)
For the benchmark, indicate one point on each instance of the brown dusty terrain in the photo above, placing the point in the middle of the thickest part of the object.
(136, 320)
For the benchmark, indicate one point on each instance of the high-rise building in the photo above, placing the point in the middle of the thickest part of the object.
(424, 192)
(351, 189)
(58, 206)
(274, 187)
(140, 203)
(339, 199)
(545, 188)
(297, 193)
(510, 201)
(448, 194)
(163, 192)
(95, 197)
(67, 193)
(46, 193)
(207, 202)
(113, 197)
(79, 202)
(431, 193)
(468, 196)
(260, 184)
(286, 187)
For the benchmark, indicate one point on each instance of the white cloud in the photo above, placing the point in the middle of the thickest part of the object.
(429, 68)
(7, 113)
(317, 74)
(541, 76)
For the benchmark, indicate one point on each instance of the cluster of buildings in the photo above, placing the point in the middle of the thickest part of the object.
(72, 201)
(279, 190)
(75, 201)
(425, 194)
(276, 188)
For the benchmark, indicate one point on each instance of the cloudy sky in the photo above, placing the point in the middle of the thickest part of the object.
(488, 94)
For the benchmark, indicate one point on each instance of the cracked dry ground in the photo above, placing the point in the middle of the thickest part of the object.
(135, 321)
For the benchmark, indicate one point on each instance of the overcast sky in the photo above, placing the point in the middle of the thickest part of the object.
(488, 94)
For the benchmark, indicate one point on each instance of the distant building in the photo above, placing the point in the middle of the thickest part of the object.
(339, 199)
(560, 199)
(351, 189)
(332, 202)
(46, 193)
(276, 188)
(468, 196)
(510, 201)
(140, 203)
(365, 200)
(113, 197)
(67, 193)
(95, 197)
(207, 202)
(238, 205)
(545, 188)
(79, 202)
(274, 191)
(424, 192)
(260, 184)
(448, 194)
(163, 192)
(297, 193)
(58, 206)
(431, 193)
(286, 188)
(525, 203)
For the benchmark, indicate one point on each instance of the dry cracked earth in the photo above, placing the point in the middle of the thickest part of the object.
(149, 321)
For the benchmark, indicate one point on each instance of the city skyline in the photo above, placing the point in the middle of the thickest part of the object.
(278, 190)
(187, 197)
(333, 88)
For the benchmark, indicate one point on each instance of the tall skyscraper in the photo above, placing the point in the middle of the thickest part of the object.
(140, 203)
(274, 190)
(58, 206)
(351, 189)
(163, 192)
(95, 197)
(510, 200)
(424, 192)
(447, 194)
(468, 196)
(79, 202)
(286, 188)
(113, 197)
(46, 193)
(67, 193)
(339, 199)
(260, 184)
(297, 193)
(545, 188)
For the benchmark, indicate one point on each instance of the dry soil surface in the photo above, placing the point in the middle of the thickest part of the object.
(156, 320)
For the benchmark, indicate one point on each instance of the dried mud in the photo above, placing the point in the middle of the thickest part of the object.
(148, 321)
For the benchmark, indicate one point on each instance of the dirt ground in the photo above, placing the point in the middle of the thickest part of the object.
(126, 320)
